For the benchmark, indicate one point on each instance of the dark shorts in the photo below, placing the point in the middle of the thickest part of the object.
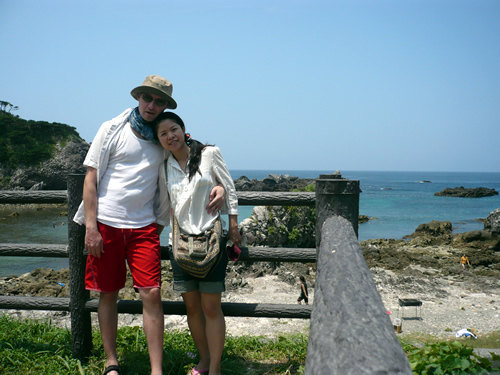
(139, 248)
(215, 282)
(306, 300)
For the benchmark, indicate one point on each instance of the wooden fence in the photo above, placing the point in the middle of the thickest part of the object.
(350, 330)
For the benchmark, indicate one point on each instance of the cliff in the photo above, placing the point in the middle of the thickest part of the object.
(37, 155)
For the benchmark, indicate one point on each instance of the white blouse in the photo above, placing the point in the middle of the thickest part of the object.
(189, 199)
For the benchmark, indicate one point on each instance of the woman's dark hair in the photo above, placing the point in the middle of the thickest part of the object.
(302, 278)
(195, 146)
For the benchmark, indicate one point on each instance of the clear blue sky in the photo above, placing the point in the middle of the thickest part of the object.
(322, 85)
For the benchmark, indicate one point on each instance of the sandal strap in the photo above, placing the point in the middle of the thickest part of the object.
(108, 369)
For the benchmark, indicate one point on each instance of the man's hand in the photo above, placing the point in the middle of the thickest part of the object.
(93, 242)
(217, 196)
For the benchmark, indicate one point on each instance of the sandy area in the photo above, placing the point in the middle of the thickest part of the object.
(448, 306)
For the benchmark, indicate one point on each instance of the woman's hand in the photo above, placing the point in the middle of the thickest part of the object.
(217, 196)
(233, 232)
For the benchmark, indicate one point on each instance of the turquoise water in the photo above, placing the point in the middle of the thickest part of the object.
(400, 201)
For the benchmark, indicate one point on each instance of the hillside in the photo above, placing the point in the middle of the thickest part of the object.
(38, 155)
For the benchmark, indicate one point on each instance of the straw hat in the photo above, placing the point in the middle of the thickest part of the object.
(156, 85)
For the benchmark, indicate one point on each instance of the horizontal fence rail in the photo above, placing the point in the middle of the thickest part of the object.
(254, 254)
(38, 197)
(245, 198)
(233, 309)
(33, 250)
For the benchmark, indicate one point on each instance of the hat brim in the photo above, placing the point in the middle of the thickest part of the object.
(172, 104)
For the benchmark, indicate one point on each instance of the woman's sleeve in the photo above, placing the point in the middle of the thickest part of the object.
(224, 177)
(162, 199)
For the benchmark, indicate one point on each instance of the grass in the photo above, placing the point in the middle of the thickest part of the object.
(38, 347)
(490, 341)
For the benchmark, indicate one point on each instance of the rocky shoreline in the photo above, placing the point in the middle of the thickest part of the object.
(424, 266)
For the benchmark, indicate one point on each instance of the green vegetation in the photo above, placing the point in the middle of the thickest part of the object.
(32, 347)
(447, 358)
(28, 143)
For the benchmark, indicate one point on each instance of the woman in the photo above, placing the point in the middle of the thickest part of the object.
(186, 180)
(303, 291)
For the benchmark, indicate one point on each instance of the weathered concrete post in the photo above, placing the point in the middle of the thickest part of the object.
(81, 325)
(336, 196)
(351, 332)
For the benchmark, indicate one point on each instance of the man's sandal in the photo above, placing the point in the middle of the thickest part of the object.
(194, 371)
(108, 369)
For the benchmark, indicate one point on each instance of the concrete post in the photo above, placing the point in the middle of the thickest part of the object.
(336, 196)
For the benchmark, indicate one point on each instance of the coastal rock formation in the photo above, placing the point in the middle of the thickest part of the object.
(272, 183)
(492, 222)
(462, 192)
(280, 226)
(38, 155)
(51, 174)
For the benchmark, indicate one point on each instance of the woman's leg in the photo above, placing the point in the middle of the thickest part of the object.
(196, 323)
(215, 329)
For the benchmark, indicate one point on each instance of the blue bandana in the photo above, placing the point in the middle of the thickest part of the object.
(140, 126)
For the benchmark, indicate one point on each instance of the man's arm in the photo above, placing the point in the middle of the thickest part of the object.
(217, 196)
(93, 239)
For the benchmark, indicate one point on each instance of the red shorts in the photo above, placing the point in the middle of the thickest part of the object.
(139, 247)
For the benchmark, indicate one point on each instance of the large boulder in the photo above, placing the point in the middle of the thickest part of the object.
(272, 183)
(276, 226)
(492, 222)
(52, 174)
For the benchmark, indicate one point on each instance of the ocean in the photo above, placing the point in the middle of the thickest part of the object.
(398, 202)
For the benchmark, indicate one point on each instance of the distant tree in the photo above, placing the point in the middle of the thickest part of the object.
(4, 105)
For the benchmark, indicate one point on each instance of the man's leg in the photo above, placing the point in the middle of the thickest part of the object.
(108, 323)
(153, 326)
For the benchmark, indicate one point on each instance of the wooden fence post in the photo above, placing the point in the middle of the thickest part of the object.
(336, 196)
(81, 325)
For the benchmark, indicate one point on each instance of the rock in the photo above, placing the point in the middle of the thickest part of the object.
(462, 192)
(364, 219)
(492, 222)
(272, 183)
(51, 174)
(277, 226)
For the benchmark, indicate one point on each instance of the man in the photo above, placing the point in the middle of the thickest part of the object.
(464, 260)
(119, 211)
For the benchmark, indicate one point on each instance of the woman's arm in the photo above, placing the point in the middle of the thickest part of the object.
(223, 176)
(234, 233)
